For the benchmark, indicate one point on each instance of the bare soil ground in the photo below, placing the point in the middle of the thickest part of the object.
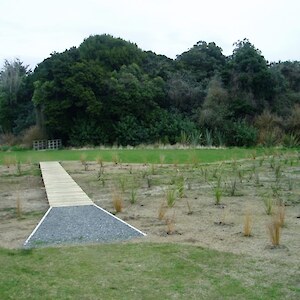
(194, 218)
(23, 186)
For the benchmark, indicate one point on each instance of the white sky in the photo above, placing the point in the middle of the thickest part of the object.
(32, 29)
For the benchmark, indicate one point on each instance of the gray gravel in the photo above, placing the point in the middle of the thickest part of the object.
(80, 224)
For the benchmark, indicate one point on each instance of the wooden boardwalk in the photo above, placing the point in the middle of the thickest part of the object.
(61, 189)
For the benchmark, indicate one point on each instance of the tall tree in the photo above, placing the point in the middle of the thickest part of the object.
(204, 59)
(12, 78)
(248, 79)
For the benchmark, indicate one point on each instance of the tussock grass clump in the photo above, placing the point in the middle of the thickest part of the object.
(180, 186)
(170, 222)
(194, 159)
(218, 191)
(18, 207)
(278, 173)
(115, 158)
(257, 179)
(232, 187)
(240, 175)
(261, 161)
(19, 168)
(171, 197)
(218, 195)
(247, 230)
(274, 228)
(83, 161)
(117, 200)
(272, 162)
(149, 181)
(133, 194)
(281, 214)
(122, 183)
(276, 190)
(269, 203)
(162, 211)
(153, 170)
(99, 160)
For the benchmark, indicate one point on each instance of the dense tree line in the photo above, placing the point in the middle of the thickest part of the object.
(109, 91)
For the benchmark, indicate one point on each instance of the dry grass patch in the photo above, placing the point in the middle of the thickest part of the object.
(18, 207)
(274, 228)
(281, 215)
(162, 211)
(248, 222)
(117, 200)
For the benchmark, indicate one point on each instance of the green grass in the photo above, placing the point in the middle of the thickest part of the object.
(138, 155)
(138, 271)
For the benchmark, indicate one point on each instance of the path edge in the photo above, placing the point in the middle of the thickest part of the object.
(37, 226)
(112, 215)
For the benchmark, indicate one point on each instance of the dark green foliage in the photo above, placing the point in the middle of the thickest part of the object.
(249, 80)
(109, 91)
(241, 134)
(111, 53)
(205, 60)
(86, 132)
(130, 131)
(16, 109)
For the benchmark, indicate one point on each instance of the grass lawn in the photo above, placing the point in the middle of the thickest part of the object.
(138, 155)
(138, 271)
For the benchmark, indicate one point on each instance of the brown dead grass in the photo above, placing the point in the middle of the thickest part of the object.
(162, 211)
(248, 224)
(117, 200)
(274, 228)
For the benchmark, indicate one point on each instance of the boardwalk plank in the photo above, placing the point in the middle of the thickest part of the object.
(61, 189)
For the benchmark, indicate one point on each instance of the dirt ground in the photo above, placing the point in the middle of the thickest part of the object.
(194, 218)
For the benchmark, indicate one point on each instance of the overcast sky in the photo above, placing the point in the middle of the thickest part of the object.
(32, 29)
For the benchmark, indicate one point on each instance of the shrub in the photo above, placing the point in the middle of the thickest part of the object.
(241, 134)
(31, 134)
(270, 128)
(8, 139)
(86, 132)
(293, 122)
(130, 131)
(290, 140)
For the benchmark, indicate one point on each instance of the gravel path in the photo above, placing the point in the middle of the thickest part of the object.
(80, 224)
